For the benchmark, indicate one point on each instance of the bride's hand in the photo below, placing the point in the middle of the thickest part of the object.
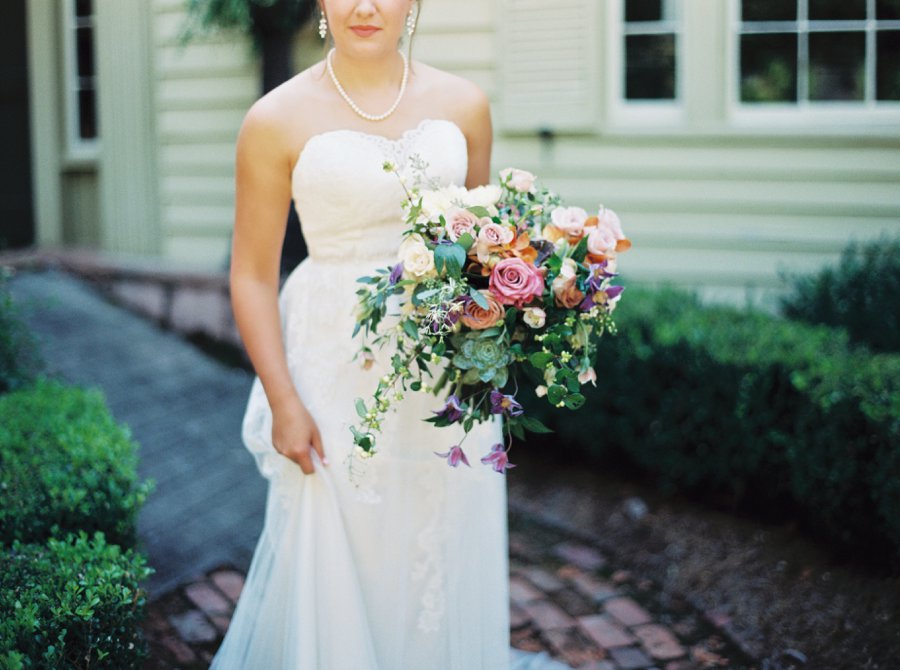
(295, 434)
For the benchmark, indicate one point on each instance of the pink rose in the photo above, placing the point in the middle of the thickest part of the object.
(570, 220)
(604, 237)
(515, 282)
(517, 180)
(459, 222)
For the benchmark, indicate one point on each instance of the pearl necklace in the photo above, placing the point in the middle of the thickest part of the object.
(353, 105)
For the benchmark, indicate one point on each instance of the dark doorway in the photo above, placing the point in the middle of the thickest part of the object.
(16, 213)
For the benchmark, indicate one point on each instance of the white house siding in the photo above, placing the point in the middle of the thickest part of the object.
(708, 201)
(203, 89)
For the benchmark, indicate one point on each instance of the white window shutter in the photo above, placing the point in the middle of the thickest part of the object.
(549, 70)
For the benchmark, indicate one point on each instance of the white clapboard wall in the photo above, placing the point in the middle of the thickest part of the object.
(203, 90)
(714, 207)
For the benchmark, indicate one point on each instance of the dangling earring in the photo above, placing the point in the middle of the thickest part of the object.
(323, 26)
(410, 23)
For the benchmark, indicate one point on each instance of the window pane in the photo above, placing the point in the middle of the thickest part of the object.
(831, 10)
(84, 39)
(643, 10)
(888, 65)
(769, 68)
(650, 67)
(837, 66)
(769, 10)
(887, 9)
(83, 8)
(87, 114)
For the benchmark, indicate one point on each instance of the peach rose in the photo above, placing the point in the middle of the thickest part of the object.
(570, 220)
(607, 236)
(491, 235)
(459, 222)
(478, 318)
(518, 180)
(566, 292)
(515, 282)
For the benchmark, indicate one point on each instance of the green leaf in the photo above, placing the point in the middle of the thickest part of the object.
(533, 425)
(574, 400)
(360, 408)
(410, 329)
(580, 250)
(479, 211)
(517, 430)
(556, 393)
(465, 241)
(540, 359)
(478, 297)
(449, 257)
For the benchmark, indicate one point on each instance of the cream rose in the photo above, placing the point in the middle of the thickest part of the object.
(570, 220)
(534, 317)
(484, 196)
(417, 259)
(518, 180)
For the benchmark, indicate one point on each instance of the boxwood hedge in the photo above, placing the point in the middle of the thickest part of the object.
(71, 603)
(65, 465)
(783, 418)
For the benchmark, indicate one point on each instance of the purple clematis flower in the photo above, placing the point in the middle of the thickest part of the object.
(454, 456)
(498, 459)
(452, 411)
(596, 274)
(396, 273)
(614, 292)
(504, 404)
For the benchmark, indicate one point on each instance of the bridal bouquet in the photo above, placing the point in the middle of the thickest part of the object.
(500, 289)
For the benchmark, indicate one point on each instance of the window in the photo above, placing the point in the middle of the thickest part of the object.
(650, 66)
(82, 128)
(817, 51)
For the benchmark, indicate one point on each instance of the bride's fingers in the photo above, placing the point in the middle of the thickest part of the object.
(304, 460)
(317, 445)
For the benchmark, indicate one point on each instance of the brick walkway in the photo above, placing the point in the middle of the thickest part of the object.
(201, 523)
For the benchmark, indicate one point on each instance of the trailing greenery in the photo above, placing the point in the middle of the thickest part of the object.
(783, 417)
(71, 604)
(65, 465)
(861, 294)
(20, 360)
(247, 17)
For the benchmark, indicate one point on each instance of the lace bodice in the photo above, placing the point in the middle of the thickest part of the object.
(349, 207)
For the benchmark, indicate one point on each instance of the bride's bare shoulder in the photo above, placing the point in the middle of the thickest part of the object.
(286, 114)
(457, 98)
(456, 93)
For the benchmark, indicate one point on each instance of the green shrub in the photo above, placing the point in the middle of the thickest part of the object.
(19, 356)
(861, 294)
(65, 465)
(72, 603)
(785, 418)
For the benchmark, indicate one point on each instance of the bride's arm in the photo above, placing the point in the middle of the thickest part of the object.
(262, 199)
(479, 137)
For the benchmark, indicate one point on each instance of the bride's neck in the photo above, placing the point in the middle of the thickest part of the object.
(357, 74)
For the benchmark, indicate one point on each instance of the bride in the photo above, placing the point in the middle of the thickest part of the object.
(403, 567)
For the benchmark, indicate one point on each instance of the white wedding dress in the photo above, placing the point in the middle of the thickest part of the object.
(405, 569)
